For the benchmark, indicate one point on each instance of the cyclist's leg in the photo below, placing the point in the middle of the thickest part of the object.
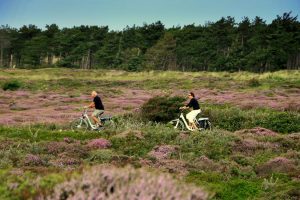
(191, 116)
(98, 116)
(95, 115)
(195, 113)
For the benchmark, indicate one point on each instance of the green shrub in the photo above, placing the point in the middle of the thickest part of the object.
(214, 144)
(11, 85)
(224, 188)
(101, 156)
(239, 189)
(161, 109)
(233, 118)
(283, 122)
(254, 82)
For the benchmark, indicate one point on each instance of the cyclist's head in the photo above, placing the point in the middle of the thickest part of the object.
(94, 93)
(191, 95)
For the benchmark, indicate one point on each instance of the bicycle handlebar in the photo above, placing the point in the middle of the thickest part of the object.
(85, 109)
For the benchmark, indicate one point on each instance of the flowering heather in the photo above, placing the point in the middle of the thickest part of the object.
(63, 108)
(259, 131)
(204, 163)
(278, 165)
(65, 160)
(251, 145)
(74, 149)
(99, 143)
(135, 133)
(68, 140)
(172, 166)
(145, 162)
(4, 102)
(51, 104)
(293, 154)
(295, 136)
(111, 183)
(32, 160)
(17, 172)
(6, 144)
(279, 99)
(55, 147)
(163, 151)
(183, 136)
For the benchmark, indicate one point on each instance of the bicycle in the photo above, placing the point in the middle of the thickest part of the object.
(83, 123)
(181, 123)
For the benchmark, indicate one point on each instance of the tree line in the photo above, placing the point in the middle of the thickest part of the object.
(224, 45)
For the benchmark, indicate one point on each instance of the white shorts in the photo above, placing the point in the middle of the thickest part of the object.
(192, 115)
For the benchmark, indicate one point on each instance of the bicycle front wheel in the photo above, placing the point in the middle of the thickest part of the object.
(79, 125)
(178, 124)
(204, 125)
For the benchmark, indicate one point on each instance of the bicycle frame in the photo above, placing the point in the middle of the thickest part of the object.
(85, 117)
(184, 121)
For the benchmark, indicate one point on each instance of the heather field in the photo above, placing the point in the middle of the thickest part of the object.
(253, 151)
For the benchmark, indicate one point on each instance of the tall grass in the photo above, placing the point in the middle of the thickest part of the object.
(155, 79)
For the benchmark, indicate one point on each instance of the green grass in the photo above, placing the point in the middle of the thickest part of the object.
(14, 187)
(226, 189)
(45, 135)
(68, 78)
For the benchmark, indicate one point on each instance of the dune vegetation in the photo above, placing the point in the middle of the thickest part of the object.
(252, 152)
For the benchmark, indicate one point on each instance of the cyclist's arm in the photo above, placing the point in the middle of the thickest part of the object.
(189, 105)
(92, 105)
(184, 107)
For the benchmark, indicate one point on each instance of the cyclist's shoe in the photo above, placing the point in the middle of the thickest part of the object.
(99, 126)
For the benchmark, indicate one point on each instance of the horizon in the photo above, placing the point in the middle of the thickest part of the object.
(67, 14)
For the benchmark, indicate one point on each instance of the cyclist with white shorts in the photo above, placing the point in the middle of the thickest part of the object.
(196, 110)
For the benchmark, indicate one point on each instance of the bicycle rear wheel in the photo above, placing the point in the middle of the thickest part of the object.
(204, 124)
(208, 126)
(79, 125)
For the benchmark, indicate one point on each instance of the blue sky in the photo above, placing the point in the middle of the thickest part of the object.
(119, 13)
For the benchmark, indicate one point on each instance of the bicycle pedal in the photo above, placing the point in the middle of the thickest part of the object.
(100, 128)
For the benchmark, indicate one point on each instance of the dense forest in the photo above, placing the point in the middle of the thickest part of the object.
(251, 45)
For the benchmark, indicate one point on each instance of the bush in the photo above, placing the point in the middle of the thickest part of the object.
(282, 122)
(32, 160)
(99, 143)
(254, 82)
(12, 85)
(214, 144)
(161, 109)
(233, 119)
(101, 155)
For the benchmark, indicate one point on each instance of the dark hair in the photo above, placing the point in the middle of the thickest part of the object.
(192, 93)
